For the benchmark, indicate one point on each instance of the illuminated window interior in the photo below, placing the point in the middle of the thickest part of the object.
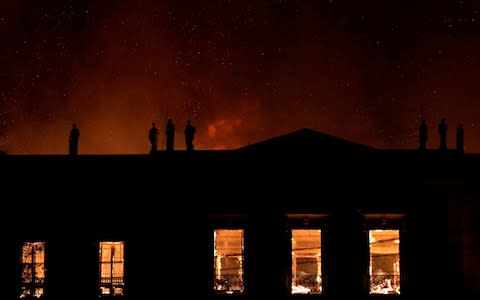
(384, 261)
(228, 261)
(33, 270)
(306, 261)
(112, 268)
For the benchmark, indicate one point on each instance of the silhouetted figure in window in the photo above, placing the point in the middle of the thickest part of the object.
(73, 140)
(442, 130)
(423, 131)
(189, 135)
(170, 133)
(153, 138)
(460, 138)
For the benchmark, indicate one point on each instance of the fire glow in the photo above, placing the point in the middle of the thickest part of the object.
(228, 261)
(33, 269)
(384, 267)
(111, 255)
(241, 71)
(306, 261)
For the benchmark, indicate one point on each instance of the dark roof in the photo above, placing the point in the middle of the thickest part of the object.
(307, 140)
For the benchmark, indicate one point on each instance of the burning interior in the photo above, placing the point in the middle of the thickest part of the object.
(306, 261)
(384, 266)
(33, 270)
(228, 261)
(112, 268)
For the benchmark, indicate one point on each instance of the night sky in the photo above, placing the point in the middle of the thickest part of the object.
(241, 70)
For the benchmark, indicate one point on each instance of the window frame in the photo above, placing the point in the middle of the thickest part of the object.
(226, 222)
(111, 285)
(33, 285)
(385, 221)
(306, 222)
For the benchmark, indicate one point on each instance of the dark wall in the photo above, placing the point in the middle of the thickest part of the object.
(165, 208)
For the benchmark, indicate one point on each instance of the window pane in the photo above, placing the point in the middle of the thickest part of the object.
(27, 256)
(105, 269)
(306, 261)
(39, 271)
(111, 268)
(228, 261)
(384, 261)
(33, 269)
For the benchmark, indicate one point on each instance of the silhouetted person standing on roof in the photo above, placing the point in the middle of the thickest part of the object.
(423, 135)
(153, 138)
(73, 140)
(460, 138)
(170, 133)
(189, 135)
(442, 130)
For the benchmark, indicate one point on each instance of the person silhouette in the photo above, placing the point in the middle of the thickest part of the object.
(459, 138)
(153, 138)
(170, 133)
(73, 140)
(442, 130)
(189, 135)
(423, 135)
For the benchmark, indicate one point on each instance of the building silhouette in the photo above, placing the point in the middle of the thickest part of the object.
(301, 213)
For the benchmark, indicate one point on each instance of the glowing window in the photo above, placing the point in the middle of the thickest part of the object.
(306, 261)
(384, 261)
(33, 270)
(112, 279)
(228, 261)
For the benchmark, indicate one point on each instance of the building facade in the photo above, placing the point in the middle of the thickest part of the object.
(304, 215)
